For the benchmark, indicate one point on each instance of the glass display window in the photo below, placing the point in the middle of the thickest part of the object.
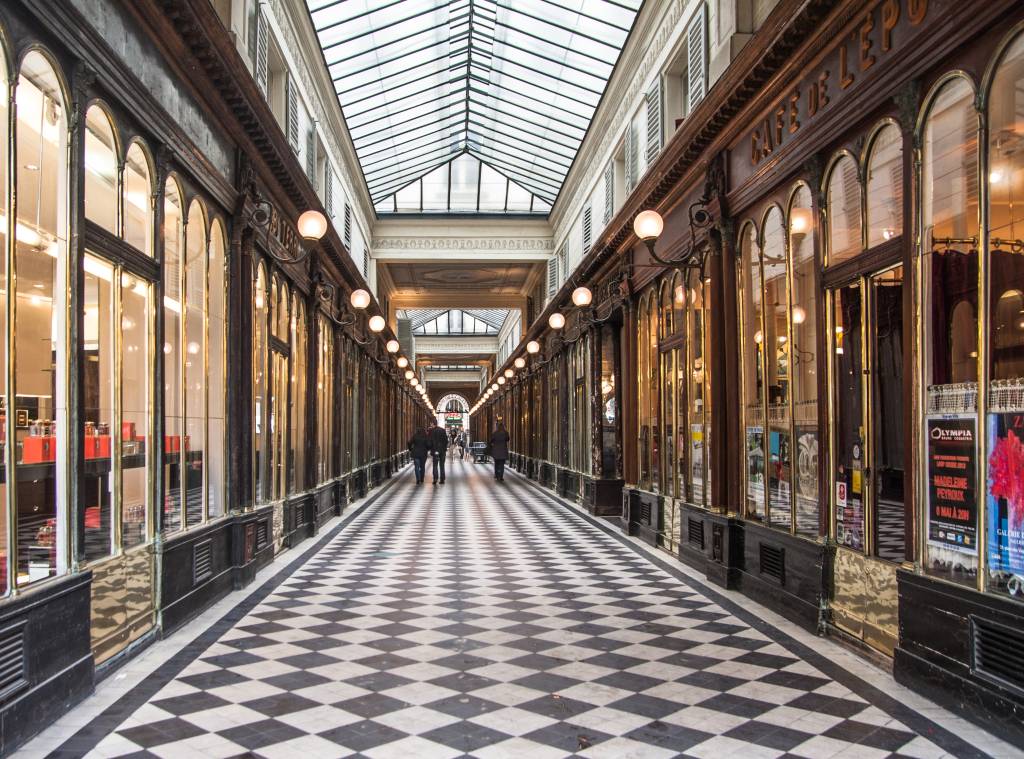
(260, 343)
(297, 444)
(101, 170)
(138, 199)
(172, 270)
(843, 209)
(752, 368)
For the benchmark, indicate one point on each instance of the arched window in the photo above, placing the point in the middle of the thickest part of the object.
(40, 312)
(259, 385)
(803, 356)
(843, 208)
(751, 347)
(885, 186)
(100, 169)
(698, 413)
(643, 386)
(279, 382)
(138, 200)
(668, 372)
(215, 376)
(652, 381)
(324, 398)
(297, 457)
(174, 253)
(194, 450)
(775, 351)
(5, 303)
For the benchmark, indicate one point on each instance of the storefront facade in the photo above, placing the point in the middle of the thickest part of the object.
(151, 253)
(821, 414)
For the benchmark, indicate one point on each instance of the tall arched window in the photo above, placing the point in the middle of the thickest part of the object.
(643, 388)
(194, 449)
(138, 200)
(101, 170)
(775, 351)
(297, 457)
(279, 381)
(843, 209)
(174, 253)
(215, 375)
(752, 345)
(260, 434)
(885, 185)
(667, 372)
(325, 399)
(803, 351)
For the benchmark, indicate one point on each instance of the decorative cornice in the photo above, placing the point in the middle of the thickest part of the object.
(447, 243)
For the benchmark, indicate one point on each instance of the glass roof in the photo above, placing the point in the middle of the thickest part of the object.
(512, 83)
(442, 321)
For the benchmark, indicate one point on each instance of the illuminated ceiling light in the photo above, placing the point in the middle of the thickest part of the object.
(556, 321)
(800, 221)
(312, 225)
(402, 362)
(995, 176)
(520, 363)
(359, 299)
(648, 225)
(509, 373)
(377, 323)
(533, 347)
(393, 346)
(582, 296)
(799, 315)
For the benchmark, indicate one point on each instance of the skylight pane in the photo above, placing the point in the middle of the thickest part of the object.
(465, 176)
(408, 198)
(492, 189)
(435, 190)
(518, 198)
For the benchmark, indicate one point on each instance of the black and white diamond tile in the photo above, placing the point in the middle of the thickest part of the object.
(483, 620)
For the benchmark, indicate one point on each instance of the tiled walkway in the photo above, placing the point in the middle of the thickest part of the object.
(485, 619)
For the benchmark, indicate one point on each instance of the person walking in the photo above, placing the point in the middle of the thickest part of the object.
(439, 450)
(499, 451)
(419, 446)
(462, 444)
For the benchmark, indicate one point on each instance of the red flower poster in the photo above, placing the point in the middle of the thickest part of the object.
(1005, 518)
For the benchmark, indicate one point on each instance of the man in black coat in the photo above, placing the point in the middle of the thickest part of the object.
(499, 451)
(439, 449)
(419, 446)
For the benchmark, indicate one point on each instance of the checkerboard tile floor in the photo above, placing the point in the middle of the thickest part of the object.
(485, 620)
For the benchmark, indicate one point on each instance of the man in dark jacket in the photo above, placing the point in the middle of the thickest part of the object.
(499, 451)
(419, 446)
(439, 448)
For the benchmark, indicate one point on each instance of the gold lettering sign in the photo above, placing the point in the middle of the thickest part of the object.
(860, 49)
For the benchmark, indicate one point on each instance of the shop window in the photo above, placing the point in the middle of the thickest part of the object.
(260, 436)
(216, 376)
(40, 312)
(100, 170)
(696, 425)
(653, 401)
(136, 415)
(949, 349)
(277, 409)
(804, 360)
(138, 200)
(194, 445)
(297, 453)
(325, 404)
(844, 210)
(751, 350)
(775, 348)
(885, 186)
(174, 249)
(7, 419)
(1004, 500)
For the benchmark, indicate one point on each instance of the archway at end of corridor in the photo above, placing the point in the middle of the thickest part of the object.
(452, 412)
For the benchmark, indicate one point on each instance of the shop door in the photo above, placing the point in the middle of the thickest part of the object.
(868, 521)
(279, 384)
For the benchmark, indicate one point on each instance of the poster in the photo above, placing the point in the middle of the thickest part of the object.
(697, 461)
(755, 468)
(1005, 493)
(849, 510)
(779, 477)
(952, 507)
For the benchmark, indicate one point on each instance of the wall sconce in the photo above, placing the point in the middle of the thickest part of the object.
(509, 373)
(556, 320)
(533, 347)
(393, 346)
(359, 299)
(582, 296)
(402, 362)
(501, 380)
(377, 323)
(312, 225)
(409, 374)
(520, 362)
(494, 388)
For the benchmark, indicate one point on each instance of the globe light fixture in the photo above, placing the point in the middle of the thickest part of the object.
(520, 362)
(393, 346)
(582, 296)
(359, 299)
(312, 225)
(501, 380)
(509, 373)
(377, 323)
(494, 388)
(402, 362)
(533, 347)
(556, 320)
(409, 374)
(648, 225)
(800, 221)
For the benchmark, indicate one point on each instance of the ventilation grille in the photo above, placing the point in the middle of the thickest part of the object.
(202, 562)
(997, 654)
(262, 534)
(695, 533)
(645, 512)
(12, 660)
(773, 562)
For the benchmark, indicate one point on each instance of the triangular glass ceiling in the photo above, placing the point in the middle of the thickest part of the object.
(513, 84)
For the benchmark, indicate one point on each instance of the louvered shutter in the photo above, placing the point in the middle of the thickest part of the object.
(588, 228)
(632, 157)
(696, 58)
(347, 228)
(262, 48)
(311, 154)
(366, 263)
(552, 276)
(329, 192)
(292, 114)
(654, 127)
(609, 191)
(251, 32)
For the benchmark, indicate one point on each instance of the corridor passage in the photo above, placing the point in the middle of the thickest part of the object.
(486, 619)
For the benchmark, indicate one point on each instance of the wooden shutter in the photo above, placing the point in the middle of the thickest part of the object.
(347, 228)
(329, 191)
(292, 114)
(654, 126)
(632, 157)
(366, 263)
(311, 154)
(696, 58)
(588, 228)
(552, 276)
(609, 191)
(262, 50)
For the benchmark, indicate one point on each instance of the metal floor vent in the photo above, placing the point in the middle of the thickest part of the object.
(773, 562)
(997, 654)
(262, 534)
(12, 660)
(695, 533)
(202, 561)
